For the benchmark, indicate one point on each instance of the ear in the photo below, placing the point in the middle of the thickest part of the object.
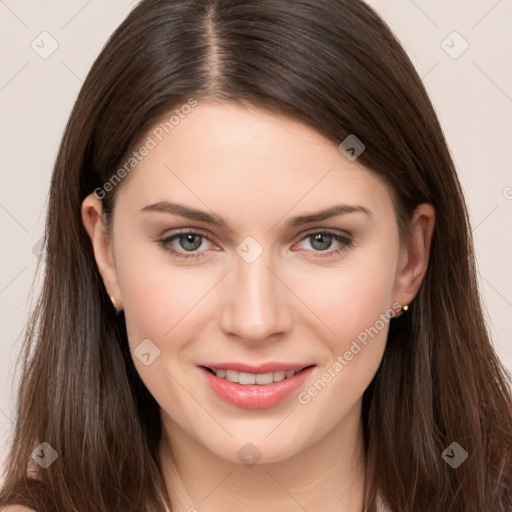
(414, 254)
(92, 217)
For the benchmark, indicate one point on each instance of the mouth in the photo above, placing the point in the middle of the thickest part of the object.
(255, 387)
(248, 378)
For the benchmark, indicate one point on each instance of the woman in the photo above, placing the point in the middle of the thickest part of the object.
(260, 290)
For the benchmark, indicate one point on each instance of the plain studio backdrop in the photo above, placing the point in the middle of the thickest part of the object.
(461, 49)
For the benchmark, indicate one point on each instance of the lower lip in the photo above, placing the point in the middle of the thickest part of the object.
(255, 396)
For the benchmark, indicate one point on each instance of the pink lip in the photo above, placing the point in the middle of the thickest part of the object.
(255, 396)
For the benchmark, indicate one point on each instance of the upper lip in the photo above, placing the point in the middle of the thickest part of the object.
(258, 369)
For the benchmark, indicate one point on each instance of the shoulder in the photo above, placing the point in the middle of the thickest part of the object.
(17, 508)
(381, 504)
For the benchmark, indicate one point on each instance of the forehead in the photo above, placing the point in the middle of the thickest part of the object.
(240, 158)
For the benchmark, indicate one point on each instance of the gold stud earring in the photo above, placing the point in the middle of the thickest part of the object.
(405, 307)
(113, 302)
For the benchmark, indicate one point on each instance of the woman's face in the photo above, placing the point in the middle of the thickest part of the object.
(256, 286)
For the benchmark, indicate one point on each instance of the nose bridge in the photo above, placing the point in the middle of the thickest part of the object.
(253, 305)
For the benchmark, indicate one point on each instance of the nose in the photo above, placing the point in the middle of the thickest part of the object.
(254, 302)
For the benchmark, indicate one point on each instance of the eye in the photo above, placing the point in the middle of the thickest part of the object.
(320, 241)
(186, 242)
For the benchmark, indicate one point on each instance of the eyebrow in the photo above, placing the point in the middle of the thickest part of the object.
(216, 220)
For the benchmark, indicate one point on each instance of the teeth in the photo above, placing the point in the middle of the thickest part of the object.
(264, 378)
(279, 376)
(246, 378)
(232, 376)
(254, 378)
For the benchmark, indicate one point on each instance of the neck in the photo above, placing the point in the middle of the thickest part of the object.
(327, 476)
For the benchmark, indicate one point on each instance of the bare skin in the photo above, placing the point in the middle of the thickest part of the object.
(292, 303)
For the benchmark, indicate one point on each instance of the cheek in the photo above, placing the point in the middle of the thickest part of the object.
(352, 296)
(354, 302)
(158, 297)
(160, 303)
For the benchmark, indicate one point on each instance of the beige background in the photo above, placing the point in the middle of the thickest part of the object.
(471, 93)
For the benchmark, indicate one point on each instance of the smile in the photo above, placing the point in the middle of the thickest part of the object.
(255, 390)
(254, 378)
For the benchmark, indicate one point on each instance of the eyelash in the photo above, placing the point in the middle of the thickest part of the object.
(345, 241)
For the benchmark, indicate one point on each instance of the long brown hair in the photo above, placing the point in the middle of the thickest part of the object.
(334, 65)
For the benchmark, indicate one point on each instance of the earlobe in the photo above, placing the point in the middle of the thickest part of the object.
(92, 218)
(415, 254)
